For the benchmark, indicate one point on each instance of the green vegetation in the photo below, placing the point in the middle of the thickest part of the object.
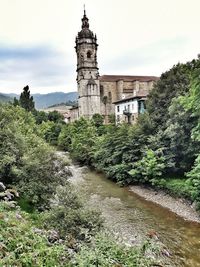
(52, 226)
(26, 100)
(25, 241)
(165, 142)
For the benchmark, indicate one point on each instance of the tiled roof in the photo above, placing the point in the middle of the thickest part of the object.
(73, 108)
(141, 95)
(115, 78)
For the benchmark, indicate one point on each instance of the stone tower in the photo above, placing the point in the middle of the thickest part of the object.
(87, 71)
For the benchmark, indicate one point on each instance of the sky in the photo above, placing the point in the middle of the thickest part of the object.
(135, 37)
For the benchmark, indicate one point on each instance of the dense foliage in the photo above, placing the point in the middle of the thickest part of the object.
(22, 151)
(57, 230)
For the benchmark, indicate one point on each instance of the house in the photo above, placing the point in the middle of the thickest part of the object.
(128, 109)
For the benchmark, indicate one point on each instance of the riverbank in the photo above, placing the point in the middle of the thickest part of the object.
(177, 205)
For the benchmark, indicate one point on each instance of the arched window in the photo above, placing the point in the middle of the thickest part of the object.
(89, 54)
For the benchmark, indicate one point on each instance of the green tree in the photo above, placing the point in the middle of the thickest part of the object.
(149, 168)
(50, 131)
(82, 146)
(26, 100)
(65, 137)
(172, 83)
(192, 103)
(181, 149)
(40, 116)
(15, 102)
(27, 161)
(97, 120)
(55, 116)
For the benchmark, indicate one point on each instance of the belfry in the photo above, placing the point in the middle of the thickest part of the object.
(107, 95)
(87, 71)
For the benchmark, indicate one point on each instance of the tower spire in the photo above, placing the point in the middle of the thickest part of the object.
(84, 10)
(85, 20)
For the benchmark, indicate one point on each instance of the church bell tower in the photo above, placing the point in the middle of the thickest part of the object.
(87, 71)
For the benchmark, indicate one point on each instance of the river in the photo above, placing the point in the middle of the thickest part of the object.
(131, 217)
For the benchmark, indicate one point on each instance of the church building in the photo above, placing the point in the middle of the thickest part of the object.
(98, 94)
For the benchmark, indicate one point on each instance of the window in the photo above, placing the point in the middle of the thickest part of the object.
(110, 97)
(118, 109)
(101, 92)
(89, 54)
(142, 106)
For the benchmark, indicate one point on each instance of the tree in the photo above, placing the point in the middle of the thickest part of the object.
(27, 161)
(40, 116)
(172, 83)
(15, 102)
(97, 120)
(55, 116)
(83, 142)
(149, 168)
(25, 100)
(181, 149)
(50, 131)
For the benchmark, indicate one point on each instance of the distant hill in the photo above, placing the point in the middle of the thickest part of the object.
(45, 100)
(68, 103)
(5, 98)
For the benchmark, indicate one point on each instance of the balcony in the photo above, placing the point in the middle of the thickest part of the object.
(127, 112)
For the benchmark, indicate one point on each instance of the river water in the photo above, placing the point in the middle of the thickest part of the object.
(131, 217)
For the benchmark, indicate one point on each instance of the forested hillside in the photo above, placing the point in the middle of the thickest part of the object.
(45, 100)
(4, 98)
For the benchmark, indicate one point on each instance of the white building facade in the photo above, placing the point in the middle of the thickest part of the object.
(128, 109)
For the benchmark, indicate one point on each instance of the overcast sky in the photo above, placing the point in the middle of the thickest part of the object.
(143, 37)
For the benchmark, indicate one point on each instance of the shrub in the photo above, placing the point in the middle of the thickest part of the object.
(149, 168)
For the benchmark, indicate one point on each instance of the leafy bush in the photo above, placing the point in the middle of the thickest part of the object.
(119, 173)
(194, 176)
(27, 161)
(149, 168)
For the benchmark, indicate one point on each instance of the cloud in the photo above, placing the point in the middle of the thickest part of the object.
(10, 52)
(150, 56)
(39, 66)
